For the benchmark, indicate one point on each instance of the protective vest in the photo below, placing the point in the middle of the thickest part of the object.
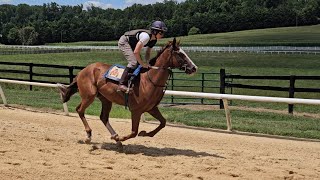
(133, 40)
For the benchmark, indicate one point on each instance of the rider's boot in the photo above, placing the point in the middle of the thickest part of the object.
(124, 81)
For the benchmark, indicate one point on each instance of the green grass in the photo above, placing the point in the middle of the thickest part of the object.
(69, 59)
(256, 122)
(239, 63)
(235, 63)
(292, 36)
(247, 121)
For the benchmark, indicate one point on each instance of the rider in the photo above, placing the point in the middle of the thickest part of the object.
(131, 44)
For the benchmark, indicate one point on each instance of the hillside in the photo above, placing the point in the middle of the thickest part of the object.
(292, 36)
(289, 36)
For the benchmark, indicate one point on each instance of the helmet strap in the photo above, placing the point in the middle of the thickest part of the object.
(154, 32)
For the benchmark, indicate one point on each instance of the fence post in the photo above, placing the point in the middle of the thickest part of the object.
(202, 86)
(30, 75)
(222, 85)
(291, 92)
(3, 97)
(172, 77)
(71, 73)
(228, 114)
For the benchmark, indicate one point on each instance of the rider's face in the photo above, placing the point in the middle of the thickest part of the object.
(160, 34)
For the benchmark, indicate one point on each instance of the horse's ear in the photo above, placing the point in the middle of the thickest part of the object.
(174, 43)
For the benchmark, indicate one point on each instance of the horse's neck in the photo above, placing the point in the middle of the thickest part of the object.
(161, 75)
(163, 59)
(158, 77)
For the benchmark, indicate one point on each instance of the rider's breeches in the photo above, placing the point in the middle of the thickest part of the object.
(127, 52)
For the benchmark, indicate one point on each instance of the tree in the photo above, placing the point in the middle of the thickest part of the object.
(55, 23)
(28, 35)
(13, 36)
(193, 31)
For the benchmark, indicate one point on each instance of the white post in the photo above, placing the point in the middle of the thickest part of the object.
(143, 118)
(3, 97)
(228, 115)
(65, 109)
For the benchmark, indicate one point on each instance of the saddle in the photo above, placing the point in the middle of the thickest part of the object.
(115, 72)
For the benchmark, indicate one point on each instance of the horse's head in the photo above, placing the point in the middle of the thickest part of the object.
(172, 56)
(179, 58)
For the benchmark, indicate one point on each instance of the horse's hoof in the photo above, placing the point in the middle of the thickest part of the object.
(142, 133)
(119, 144)
(115, 137)
(87, 141)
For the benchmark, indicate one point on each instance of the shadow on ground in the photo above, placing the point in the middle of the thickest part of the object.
(149, 151)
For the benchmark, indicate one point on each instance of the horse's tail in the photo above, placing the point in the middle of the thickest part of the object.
(67, 91)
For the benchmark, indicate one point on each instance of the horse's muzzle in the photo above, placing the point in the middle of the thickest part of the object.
(191, 70)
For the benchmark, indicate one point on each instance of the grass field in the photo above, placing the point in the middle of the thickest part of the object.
(292, 36)
(239, 63)
(306, 122)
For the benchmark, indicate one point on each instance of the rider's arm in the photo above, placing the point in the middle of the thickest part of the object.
(147, 55)
(136, 53)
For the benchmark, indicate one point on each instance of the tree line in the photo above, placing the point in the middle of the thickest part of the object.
(49, 23)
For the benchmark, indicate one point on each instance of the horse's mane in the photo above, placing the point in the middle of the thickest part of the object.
(152, 61)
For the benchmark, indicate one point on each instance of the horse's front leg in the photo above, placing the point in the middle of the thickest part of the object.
(156, 114)
(135, 120)
(81, 109)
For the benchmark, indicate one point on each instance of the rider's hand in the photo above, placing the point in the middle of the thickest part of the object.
(146, 66)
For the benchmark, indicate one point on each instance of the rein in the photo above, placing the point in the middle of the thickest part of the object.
(162, 68)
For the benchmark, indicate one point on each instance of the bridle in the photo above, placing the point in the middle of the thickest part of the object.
(181, 62)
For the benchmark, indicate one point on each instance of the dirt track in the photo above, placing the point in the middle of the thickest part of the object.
(37, 145)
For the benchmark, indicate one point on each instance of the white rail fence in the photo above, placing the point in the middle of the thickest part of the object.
(222, 49)
(65, 107)
(224, 97)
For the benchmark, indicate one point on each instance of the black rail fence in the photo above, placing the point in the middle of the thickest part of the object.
(45, 73)
(201, 82)
(40, 51)
(28, 72)
(291, 89)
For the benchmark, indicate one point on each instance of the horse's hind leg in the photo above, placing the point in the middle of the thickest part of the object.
(104, 116)
(156, 114)
(85, 102)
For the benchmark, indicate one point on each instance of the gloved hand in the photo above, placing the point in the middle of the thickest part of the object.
(146, 66)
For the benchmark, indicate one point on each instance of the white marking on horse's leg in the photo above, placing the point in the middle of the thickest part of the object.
(111, 130)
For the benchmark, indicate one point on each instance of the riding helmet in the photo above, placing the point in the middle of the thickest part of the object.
(159, 26)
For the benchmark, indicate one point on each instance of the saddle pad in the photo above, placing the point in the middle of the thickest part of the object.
(114, 72)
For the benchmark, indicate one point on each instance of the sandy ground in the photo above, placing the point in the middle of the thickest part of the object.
(35, 145)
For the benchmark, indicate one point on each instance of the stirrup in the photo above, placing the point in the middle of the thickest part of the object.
(123, 88)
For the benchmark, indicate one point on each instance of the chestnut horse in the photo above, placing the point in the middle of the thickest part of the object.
(146, 94)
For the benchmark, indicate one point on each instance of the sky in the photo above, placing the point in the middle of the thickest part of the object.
(104, 4)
